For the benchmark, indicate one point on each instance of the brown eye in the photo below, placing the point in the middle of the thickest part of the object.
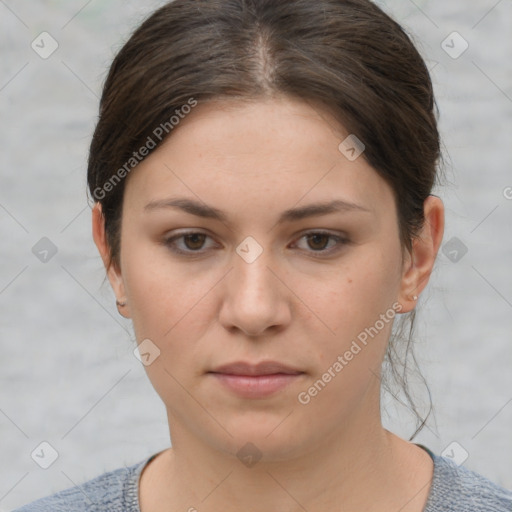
(192, 243)
(318, 241)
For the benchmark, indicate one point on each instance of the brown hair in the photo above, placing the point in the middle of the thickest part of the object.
(346, 55)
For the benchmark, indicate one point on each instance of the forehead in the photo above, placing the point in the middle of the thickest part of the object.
(256, 154)
(275, 127)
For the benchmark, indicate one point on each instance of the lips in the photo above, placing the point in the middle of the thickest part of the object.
(263, 368)
(254, 381)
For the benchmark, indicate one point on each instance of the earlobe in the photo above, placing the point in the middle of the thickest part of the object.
(113, 273)
(425, 247)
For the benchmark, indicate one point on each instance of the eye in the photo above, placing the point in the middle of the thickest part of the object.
(318, 240)
(193, 242)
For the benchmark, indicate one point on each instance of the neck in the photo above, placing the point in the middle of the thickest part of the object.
(362, 466)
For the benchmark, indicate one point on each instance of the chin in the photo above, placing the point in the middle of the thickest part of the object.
(263, 436)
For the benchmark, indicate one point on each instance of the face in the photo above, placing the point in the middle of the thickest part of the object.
(263, 279)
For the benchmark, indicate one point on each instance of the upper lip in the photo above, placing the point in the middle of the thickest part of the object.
(262, 368)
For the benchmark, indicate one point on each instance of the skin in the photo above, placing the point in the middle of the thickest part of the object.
(254, 160)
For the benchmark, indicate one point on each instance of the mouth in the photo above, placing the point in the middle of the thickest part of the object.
(256, 370)
(256, 380)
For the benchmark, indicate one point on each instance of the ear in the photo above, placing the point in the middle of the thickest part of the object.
(419, 263)
(113, 272)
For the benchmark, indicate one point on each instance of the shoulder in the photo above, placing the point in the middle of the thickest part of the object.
(458, 489)
(115, 491)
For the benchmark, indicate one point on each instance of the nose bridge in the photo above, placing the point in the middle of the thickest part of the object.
(253, 300)
(252, 275)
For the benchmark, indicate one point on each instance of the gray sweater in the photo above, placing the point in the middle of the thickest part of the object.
(454, 489)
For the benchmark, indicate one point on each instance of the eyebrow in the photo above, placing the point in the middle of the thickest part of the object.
(293, 214)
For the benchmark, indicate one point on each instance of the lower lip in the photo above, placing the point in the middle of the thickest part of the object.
(256, 386)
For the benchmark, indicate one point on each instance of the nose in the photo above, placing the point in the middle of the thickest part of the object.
(255, 298)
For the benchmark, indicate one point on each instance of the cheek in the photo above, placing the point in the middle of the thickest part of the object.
(364, 287)
(172, 304)
(160, 290)
(356, 303)
(170, 307)
(167, 307)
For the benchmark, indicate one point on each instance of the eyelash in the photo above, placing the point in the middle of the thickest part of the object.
(170, 242)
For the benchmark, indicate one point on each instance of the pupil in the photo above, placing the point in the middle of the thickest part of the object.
(194, 236)
(316, 237)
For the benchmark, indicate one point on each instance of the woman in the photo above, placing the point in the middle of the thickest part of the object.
(262, 175)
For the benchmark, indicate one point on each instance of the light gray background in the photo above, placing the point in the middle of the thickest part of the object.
(68, 374)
